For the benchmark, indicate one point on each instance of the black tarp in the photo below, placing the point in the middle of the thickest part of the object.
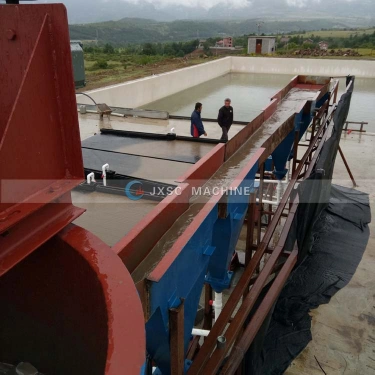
(314, 193)
(331, 229)
(340, 239)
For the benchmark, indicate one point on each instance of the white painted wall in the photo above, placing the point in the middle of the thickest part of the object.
(136, 93)
(322, 67)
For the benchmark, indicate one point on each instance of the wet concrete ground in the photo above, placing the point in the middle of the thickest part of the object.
(344, 330)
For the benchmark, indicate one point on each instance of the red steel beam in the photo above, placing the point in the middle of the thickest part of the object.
(242, 136)
(201, 171)
(283, 92)
(270, 109)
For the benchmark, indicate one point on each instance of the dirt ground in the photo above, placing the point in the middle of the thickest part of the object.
(96, 79)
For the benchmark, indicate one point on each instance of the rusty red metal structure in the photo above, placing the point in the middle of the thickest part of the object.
(66, 299)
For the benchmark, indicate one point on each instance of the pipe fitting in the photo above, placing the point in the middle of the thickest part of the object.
(90, 178)
(105, 167)
(221, 342)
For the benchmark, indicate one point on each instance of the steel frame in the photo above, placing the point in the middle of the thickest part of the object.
(238, 335)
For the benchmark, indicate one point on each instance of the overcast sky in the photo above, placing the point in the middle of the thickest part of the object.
(211, 3)
(91, 11)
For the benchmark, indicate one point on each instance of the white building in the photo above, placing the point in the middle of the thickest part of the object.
(261, 45)
(323, 46)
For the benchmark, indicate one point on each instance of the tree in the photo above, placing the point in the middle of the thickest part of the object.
(88, 49)
(292, 46)
(108, 48)
(100, 64)
(206, 48)
(309, 46)
(148, 49)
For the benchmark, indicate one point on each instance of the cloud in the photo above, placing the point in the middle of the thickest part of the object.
(206, 4)
(304, 3)
(301, 3)
(297, 3)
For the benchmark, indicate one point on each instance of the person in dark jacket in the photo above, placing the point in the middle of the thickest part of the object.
(197, 128)
(225, 119)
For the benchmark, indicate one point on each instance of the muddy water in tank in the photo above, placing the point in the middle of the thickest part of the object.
(251, 92)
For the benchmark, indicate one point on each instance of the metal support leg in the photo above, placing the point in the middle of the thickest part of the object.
(250, 228)
(176, 329)
(347, 167)
(260, 207)
(335, 94)
(295, 151)
(250, 231)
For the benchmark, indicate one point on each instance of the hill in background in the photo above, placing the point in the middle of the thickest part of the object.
(137, 31)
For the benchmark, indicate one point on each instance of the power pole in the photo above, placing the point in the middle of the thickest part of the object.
(259, 25)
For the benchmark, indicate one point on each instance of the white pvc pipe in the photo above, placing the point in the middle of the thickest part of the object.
(105, 167)
(218, 304)
(200, 332)
(90, 178)
(272, 181)
(269, 202)
(288, 173)
(278, 192)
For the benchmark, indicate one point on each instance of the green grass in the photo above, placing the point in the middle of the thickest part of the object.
(337, 33)
(366, 51)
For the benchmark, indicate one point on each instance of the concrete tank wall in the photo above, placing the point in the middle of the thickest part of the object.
(136, 93)
(323, 67)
